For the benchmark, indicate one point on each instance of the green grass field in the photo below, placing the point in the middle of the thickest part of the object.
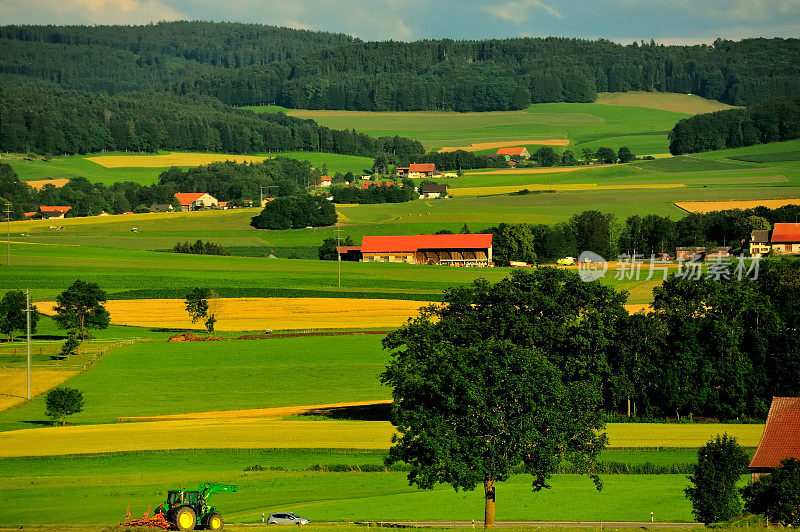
(69, 166)
(637, 120)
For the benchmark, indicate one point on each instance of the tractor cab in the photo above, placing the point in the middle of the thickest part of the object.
(178, 497)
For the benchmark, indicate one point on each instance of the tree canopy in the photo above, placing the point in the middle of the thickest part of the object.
(12, 314)
(502, 375)
(80, 308)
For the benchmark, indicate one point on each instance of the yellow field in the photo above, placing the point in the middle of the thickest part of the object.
(488, 191)
(170, 159)
(275, 412)
(251, 433)
(477, 146)
(708, 206)
(548, 170)
(666, 101)
(258, 313)
(14, 384)
(265, 433)
(677, 435)
(39, 183)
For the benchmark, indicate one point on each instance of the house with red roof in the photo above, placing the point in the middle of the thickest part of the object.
(513, 152)
(325, 181)
(781, 436)
(451, 250)
(194, 201)
(785, 239)
(418, 170)
(53, 212)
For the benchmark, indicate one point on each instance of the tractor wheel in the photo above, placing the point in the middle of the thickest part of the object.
(185, 518)
(214, 522)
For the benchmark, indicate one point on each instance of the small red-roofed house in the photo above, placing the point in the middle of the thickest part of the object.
(192, 201)
(325, 181)
(418, 170)
(513, 152)
(52, 212)
(785, 239)
(31, 215)
(781, 436)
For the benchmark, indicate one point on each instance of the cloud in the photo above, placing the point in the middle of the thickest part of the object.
(87, 12)
(519, 11)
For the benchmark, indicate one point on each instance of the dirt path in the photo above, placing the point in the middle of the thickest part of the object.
(477, 146)
(279, 411)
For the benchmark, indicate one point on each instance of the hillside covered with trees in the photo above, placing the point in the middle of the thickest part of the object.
(507, 74)
(56, 121)
(769, 121)
(126, 58)
(250, 64)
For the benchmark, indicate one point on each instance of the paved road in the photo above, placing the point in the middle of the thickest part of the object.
(531, 524)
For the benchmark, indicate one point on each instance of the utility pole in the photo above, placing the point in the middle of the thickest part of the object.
(8, 233)
(28, 314)
(339, 255)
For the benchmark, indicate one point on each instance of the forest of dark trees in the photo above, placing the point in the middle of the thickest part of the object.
(769, 121)
(248, 64)
(56, 121)
(507, 74)
(127, 58)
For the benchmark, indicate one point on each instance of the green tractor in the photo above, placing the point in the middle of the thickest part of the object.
(189, 509)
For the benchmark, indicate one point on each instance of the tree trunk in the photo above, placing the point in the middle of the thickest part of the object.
(488, 519)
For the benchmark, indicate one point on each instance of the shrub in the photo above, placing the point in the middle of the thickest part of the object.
(777, 495)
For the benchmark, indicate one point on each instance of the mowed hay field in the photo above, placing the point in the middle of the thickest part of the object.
(267, 433)
(254, 313)
(159, 378)
(14, 383)
(709, 206)
(167, 160)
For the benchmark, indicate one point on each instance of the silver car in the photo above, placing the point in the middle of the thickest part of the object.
(286, 518)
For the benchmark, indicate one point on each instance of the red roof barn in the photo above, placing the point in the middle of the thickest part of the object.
(786, 232)
(781, 436)
(454, 250)
(514, 152)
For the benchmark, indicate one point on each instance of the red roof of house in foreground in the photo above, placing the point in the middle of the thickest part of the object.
(54, 208)
(385, 244)
(781, 436)
(509, 151)
(187, 198)
(422, 167)
(786, 232)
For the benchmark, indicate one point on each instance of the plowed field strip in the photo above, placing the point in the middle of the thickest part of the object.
(170, 159)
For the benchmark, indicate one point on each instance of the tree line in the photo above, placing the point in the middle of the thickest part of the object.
(377, 193)
(128, 58)
(237, 183)
(644, 236)
(50, 121)
(769, 121)
(503, 74)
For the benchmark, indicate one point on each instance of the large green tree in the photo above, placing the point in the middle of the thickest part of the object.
(500, 376)
(62, 402)
(80, 308)
(776, 495)
(714, 494)
(12, 314)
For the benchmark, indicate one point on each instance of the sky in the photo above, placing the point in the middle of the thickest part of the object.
(668, 22)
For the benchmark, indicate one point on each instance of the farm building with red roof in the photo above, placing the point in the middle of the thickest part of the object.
(452, 250)
(52, 212)
(192, 201)
(786, 238)
(513, 152)
(781, 436)
(418, 170)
